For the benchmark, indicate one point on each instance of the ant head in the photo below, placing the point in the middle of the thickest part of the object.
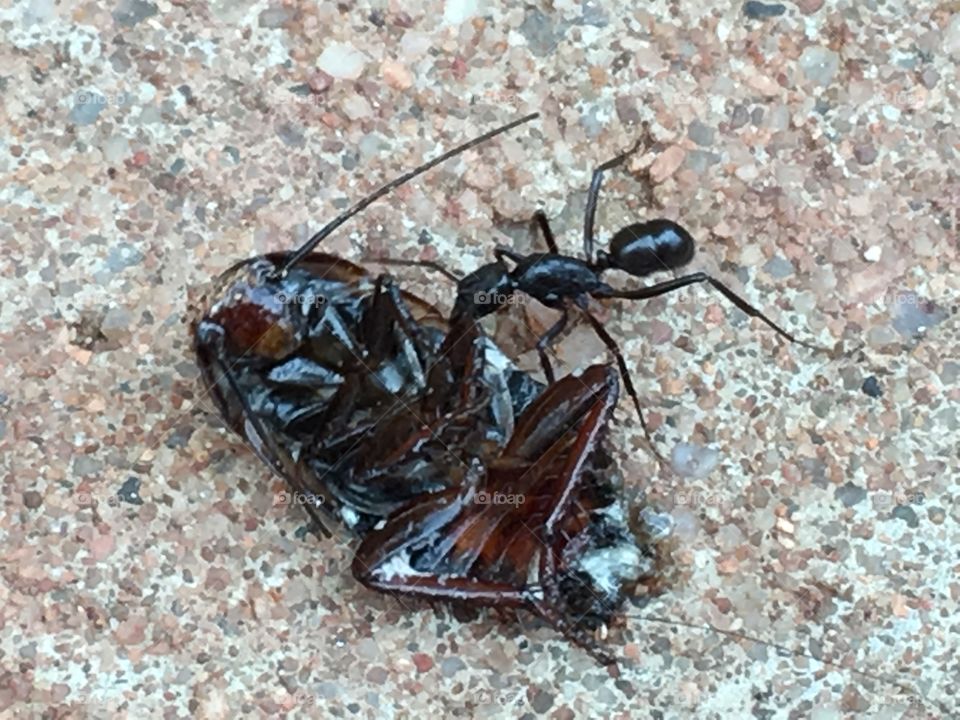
(483, 291)
(648, 247)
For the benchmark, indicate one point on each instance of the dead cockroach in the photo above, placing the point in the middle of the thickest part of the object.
(346, 385)
(464, 477)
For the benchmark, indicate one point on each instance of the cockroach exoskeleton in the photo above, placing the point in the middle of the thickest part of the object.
(347, 386)
(541, 527)
(465, 478)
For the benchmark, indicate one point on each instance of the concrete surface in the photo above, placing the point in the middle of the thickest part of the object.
(811, 147)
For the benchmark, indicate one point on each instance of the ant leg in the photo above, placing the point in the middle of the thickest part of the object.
(701, 277)
(540, 217)
(624, 372)
(500, 252)
(594, 194)
(548, 337)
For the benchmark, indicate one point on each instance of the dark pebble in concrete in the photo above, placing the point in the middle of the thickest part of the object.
(761, 10)
(907, 514)
(32, 499)
(130, 491)
(850, 494)
(871, 387)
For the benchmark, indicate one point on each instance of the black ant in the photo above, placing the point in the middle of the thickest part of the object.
(562, 281)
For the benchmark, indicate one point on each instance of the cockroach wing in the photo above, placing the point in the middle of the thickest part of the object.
(497, 537)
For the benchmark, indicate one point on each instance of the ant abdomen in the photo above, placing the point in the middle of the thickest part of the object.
(648, 247)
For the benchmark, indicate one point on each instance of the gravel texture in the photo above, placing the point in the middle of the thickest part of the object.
(811, 147)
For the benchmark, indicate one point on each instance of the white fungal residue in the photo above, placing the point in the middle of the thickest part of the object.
(614, 513)
(398, 566)
(658, 526)
(690, 460)
(610, 567)
(350, 516)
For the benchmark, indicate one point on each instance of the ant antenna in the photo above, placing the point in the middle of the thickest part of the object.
(315, 240)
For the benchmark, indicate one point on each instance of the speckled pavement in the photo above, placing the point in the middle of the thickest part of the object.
(811, 148)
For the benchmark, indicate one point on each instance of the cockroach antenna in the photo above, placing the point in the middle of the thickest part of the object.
(881, 679)
(318, 237)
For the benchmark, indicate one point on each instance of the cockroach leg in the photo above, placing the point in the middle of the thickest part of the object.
(268, 451)
(411, 328)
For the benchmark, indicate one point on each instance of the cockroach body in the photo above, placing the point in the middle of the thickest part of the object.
(349, 387)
